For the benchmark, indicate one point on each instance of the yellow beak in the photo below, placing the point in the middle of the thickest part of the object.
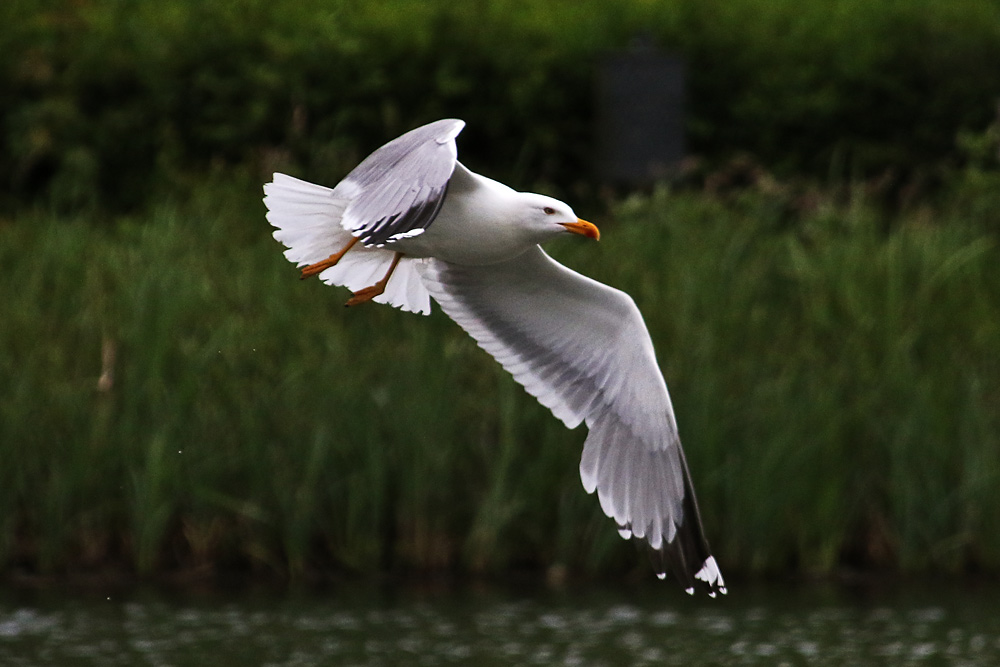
(583, 228)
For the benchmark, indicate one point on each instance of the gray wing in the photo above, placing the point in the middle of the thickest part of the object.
(582, 349)
(397, 191)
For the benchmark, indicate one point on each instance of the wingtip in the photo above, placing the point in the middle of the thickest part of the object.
(707, 577)
(457, 125)
(710, 574)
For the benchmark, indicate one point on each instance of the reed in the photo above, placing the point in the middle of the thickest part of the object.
(173, 397)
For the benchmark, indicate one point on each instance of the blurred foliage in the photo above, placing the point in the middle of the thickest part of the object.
(104, 103)
(175, 398)
(192, 405)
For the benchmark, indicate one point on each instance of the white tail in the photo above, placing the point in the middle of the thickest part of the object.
(308, 221)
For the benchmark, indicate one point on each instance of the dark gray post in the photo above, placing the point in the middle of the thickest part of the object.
(640, 116)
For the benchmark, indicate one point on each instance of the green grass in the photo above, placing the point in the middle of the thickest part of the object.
(834, 374)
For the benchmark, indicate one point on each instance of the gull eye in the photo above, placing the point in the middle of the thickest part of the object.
(549, 210)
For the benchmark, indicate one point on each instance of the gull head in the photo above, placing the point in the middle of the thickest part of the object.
(546, 217)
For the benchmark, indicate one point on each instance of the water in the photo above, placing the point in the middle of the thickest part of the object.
(652, 624)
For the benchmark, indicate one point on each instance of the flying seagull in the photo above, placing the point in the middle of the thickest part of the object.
(411, 222)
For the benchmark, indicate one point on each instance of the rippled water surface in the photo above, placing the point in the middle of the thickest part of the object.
(648, 625)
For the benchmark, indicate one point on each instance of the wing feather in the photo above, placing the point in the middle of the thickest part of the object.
(398, 190)
(582, 349)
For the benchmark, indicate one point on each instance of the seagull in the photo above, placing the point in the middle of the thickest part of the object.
(411, 223)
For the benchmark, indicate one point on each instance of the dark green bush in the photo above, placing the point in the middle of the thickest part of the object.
(105, 101)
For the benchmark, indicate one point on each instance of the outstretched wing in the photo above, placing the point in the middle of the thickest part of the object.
(582, 349)
(397, 191)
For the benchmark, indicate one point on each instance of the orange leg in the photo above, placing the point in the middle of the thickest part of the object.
(369, 293)
(319, 267)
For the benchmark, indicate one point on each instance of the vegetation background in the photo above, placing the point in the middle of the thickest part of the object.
(822, 285)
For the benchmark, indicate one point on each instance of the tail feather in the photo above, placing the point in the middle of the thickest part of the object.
(307, 218)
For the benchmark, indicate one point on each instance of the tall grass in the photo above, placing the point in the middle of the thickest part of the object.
(835, 377)
(841, 381)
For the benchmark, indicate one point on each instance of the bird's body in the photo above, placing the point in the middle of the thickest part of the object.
(413, 216)
(473, 226)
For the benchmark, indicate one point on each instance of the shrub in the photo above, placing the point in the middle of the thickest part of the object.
(106, 101)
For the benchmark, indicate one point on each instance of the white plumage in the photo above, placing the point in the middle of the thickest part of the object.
(414, 217)
(308, 218)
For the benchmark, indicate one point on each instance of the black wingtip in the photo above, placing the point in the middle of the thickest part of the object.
(688, 557)
(694, 575)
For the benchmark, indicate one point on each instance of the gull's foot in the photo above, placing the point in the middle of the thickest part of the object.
(366, 294)
(369, 293)
(320, 267)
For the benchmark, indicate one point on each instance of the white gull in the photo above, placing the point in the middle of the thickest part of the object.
(411, 222)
